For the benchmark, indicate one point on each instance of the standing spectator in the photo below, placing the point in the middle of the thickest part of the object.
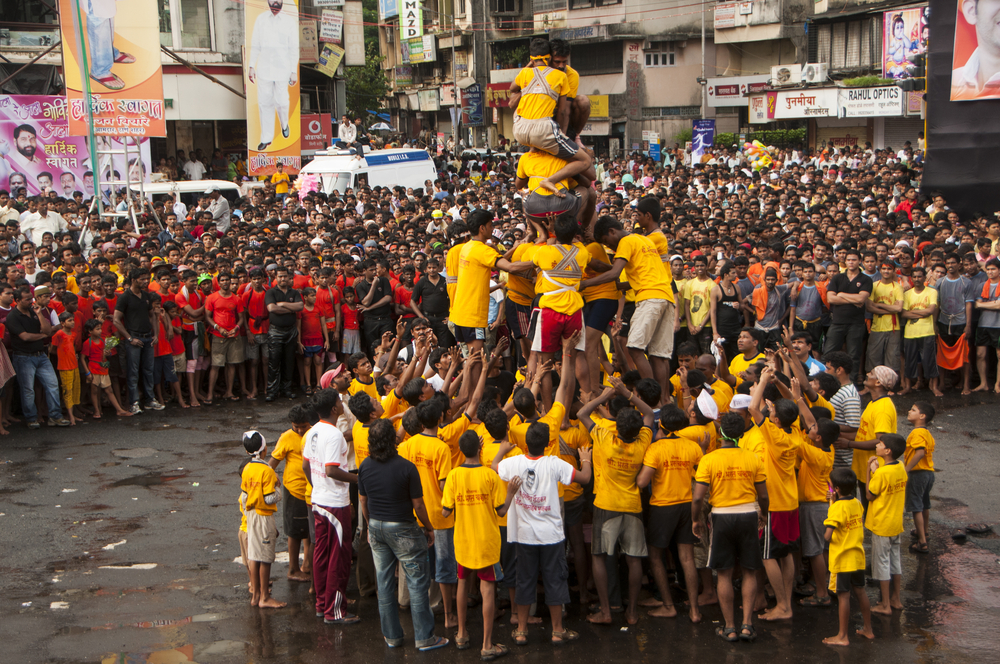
(219, 207)
(375, 295)
(219, 167)
(135, 321)
(29, 328)
(847, 293)
(280, 180)
(283, 303)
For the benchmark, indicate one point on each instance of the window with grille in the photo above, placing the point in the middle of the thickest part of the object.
(504, 6)
(851, 44)
(839, 54)
(671, 111)
(599, 58)
(544, 6)
(660, 54)
(581, 4)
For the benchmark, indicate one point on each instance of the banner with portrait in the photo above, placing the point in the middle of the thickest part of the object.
(977, 50)
(120, 57)
(38, 152)
(271, 79)
(904, 34)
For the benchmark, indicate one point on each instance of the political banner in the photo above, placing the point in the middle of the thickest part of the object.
(976, 52)
(113, 48)
(472, 106)
(331, 28)
(38, 153)
(329, 59)
(271, 80)
(702, 137)
(904, 34)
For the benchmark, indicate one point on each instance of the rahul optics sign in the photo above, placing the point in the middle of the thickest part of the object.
(885, 101)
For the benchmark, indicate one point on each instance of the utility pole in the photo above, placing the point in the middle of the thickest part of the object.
(703, 81)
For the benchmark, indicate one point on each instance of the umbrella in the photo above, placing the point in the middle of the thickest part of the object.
(380, 126)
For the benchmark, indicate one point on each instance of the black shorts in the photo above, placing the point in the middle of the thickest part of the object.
(467, 335)
(847, 580)
(627, 310)
(573, 511)
(669, 523)
(518, 318)
(598, 314)
(734, 540)
(988, 336)
(550, 561)
(295, 516)
(508, 561)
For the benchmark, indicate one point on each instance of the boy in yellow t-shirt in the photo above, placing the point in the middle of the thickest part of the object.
(475, 494)
(886, 489)
(885, 305)
(920, 305)
(919, 461)
(260, 484)
(280, 180)
(846, 535)
(878, 418)
(295, 491)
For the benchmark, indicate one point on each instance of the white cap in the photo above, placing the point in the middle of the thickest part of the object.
(211, 189)
(740, 401)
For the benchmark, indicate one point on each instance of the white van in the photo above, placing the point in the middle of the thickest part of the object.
(340, 170)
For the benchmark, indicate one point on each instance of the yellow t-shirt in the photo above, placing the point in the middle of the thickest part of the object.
(730, 473)
(886, 294)
(740, 364)
(674, 461)
(487, 453)
(847, 551)
(535, 166)
(564, 265)
(696, 433)
(433, 461)
(699, 296)
(822, 403)
(471, 305)
(679, 285)
(243, 511)
(357, 386)
(753, 441)
(280, 182)
(474, 494)
(922, 327)
(814, 472)
(663, 248)
(393, 404)
(644, 270)
(918, 438)
(781, 448)
(619, 464)
(259, 480)
(360, 434)
(608, 291)
(451, 433)
(885, 510)
(451, 267)
(521, 285)
(572, 439)
(289, 449)
(573, 80)
(533, 106)
(878, 417)
(517, 432)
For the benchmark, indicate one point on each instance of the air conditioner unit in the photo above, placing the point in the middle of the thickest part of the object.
(815, 72)
(786, 75)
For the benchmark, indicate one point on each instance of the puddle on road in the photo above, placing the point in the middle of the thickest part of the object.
(75, 630)
(189, 654)
(149, 479)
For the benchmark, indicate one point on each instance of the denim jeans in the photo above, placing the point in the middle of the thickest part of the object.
(139, 358)
(29, 367)
(281, 347)
(405, 542)
(100, 41)
(853, 337)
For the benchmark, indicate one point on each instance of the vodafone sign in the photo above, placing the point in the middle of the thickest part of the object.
(732, 91)
(316, 131)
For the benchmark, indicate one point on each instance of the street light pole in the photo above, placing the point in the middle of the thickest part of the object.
(454, 81)
(704, 87)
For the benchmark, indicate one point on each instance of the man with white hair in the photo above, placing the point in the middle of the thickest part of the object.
(274, 66)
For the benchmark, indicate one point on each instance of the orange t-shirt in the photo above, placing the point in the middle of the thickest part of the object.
(65, 350)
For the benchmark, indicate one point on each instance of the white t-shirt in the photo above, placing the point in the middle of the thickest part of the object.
(326, 446)
(534, 516)
(194, 169)
(437, 382)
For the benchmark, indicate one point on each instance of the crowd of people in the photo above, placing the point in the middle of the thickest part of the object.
(697, 360)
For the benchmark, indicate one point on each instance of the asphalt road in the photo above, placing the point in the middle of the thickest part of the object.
(118, 540)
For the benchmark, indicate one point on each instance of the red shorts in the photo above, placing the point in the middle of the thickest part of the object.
(485, 574)
(552, 327)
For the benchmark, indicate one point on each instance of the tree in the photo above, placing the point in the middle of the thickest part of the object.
(367, 86)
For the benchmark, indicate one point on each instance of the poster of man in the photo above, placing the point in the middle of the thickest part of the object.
(904, 36)
(118, 61)
(976, 64)
(272, 85)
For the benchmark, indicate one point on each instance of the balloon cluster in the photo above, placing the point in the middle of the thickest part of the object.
(307, 184)
(759, 154)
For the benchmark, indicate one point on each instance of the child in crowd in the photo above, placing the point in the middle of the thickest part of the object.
(295, 490)
(350, 333)
(919, 461)
(886, 489)
(260, 483)
(67, 363)
(96, 352)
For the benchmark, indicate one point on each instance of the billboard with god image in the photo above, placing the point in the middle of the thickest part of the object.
(120, 60)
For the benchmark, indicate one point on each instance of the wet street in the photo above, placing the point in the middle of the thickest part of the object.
(119, 540)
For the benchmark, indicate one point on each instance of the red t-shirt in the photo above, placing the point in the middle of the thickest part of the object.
(177, 341)
(163, 346)
(195, 300)
(349, 317)
(301, 281)
(343, 282)
(66, 350)
(326, 299)
(401, 296)
(93, 351)
(312, 330)
(225, 311)
(85, 306)
(253, 304)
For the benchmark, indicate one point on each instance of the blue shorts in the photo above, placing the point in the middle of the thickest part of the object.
(445, 565)
(918, 490)
(310, 351)
(597, 314)
(469, 334)
(163, 369)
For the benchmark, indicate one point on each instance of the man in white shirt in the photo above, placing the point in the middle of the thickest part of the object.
(179, 208)
(347, 133)
(274, 66)
(219, 207)
(36, 225)
(325, 456)
(7, 210)
(194, 169)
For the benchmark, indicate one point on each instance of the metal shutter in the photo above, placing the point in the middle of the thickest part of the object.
(900, 130)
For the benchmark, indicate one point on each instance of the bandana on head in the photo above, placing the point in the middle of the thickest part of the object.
(253, 442)
(886, 376)
(707, 405)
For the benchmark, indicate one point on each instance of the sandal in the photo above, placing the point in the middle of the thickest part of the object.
(498, 650)
(979, 528)
(917, 547)
(749, 638)
(564, 636)
(462, 643)
(959, 535)
(815, 601)
(520, 637)
(727, 633)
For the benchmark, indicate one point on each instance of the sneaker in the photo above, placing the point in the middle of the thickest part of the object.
(154, 405)
(61, 422)
(34, 425)
(135, 410)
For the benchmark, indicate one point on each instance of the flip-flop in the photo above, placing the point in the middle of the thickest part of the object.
(979, 528)
(111, 82)
(917, 547)
(815, 601)
(124, 58)
(440, 643)
(959, 535)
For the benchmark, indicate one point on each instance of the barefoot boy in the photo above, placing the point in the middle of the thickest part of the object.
(886, 488)
(845, 534)
(260, 484)
(295, 490)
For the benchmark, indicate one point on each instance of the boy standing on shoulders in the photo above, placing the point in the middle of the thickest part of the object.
(260, 484)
